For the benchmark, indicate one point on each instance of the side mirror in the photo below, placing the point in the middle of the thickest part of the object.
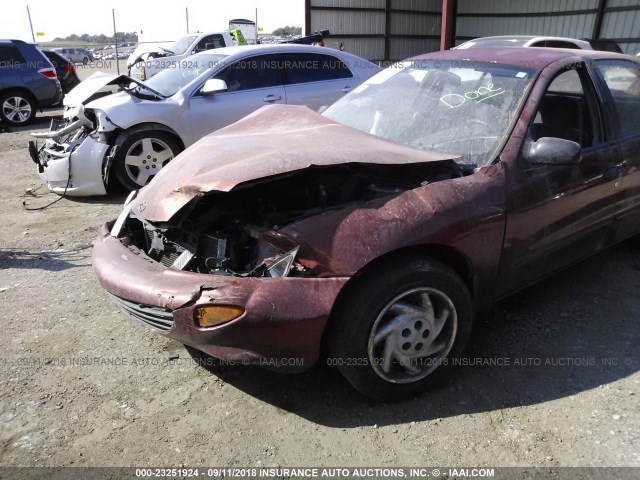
(554, 151)
(213, 86)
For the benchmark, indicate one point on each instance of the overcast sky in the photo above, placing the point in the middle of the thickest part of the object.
(64, 17)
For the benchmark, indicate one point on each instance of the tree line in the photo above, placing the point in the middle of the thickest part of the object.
(102, 39)
(287, 30)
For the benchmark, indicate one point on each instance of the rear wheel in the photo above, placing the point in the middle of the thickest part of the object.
(142, 156)
(397, 329)
(17, 108)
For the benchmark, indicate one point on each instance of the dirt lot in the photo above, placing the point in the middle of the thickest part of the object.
(81, 385)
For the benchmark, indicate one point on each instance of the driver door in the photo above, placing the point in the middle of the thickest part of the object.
(253, 83)
(559, 214)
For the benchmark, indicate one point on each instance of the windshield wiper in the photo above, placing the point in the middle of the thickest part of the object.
(139, 84)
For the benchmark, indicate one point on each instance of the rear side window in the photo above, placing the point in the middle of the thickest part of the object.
(555, 44)
(311, 67)
(10, 56)
(623, 79)
(251, 73)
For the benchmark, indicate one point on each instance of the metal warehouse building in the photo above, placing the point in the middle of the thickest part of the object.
(383, 30)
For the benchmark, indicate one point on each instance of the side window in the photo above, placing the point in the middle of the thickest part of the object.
(210, 42)
(10, 56)
(623, 79)
(251, 73)
(567, 110)
(555, 44)
(568, 82)
(311, 67)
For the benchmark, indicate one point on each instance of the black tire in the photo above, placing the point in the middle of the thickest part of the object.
(160, 150)
(400, 288)
(85, 60)
(17, 108)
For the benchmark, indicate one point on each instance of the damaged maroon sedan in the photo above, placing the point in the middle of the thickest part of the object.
(380, 227)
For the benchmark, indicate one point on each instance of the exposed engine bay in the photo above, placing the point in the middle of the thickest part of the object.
(231, 233)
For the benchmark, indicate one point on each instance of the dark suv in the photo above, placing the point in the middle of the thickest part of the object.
(28, 82)
(64, 69)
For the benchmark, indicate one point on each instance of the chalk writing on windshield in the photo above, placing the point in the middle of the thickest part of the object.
(455, 100)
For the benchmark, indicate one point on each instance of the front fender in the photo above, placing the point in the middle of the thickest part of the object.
(466, 214)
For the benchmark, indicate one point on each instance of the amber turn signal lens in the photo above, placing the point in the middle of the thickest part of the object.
(213, 315)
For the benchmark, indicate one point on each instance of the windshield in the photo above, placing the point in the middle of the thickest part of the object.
(180, 46)
(461, 107)
(181, 73)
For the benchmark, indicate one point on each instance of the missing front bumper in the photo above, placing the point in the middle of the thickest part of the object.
(73, 170)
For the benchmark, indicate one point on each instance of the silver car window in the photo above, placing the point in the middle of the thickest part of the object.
(183, 72)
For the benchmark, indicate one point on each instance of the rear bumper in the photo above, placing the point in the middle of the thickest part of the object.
(284, 318)
(49, 93)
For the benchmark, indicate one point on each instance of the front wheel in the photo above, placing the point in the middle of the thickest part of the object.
(398, 328)
(142, 156)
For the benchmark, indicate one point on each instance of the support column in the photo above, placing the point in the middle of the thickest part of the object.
(307, 17)
(447, 28)
(597, 25)
(387, 30)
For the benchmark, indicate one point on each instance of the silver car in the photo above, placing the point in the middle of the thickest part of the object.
(76, 55)
(129, 136)
(525, 41)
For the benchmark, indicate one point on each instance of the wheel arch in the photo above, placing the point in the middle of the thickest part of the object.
(445, 254)
(143, 127)
(123, 135)
(24, 91)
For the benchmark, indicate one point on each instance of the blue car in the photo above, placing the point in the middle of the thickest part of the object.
(28, 82)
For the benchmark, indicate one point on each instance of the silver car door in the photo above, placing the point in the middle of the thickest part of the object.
(253, 82)
(316, 79)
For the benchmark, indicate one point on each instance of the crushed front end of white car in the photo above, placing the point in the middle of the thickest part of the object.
(76, 155)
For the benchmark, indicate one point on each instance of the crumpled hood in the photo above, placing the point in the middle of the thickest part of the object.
(96, 82)
(275, 139)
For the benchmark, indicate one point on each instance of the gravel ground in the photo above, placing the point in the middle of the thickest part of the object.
(81, 385)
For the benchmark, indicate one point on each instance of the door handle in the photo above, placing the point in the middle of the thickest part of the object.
(346, 89)
(272, 98)
(611, 173)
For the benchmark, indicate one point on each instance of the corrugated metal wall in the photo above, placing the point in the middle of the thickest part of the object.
(378, 29)
(622, 25)
(396, 29)
(565, 18)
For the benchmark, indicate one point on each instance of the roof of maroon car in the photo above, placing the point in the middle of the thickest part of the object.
(530, 57)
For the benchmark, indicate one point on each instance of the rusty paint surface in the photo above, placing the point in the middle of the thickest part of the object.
(274, 140)
(284, 317)
(512, 222)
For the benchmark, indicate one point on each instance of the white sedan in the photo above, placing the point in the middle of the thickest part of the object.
(129, 136)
